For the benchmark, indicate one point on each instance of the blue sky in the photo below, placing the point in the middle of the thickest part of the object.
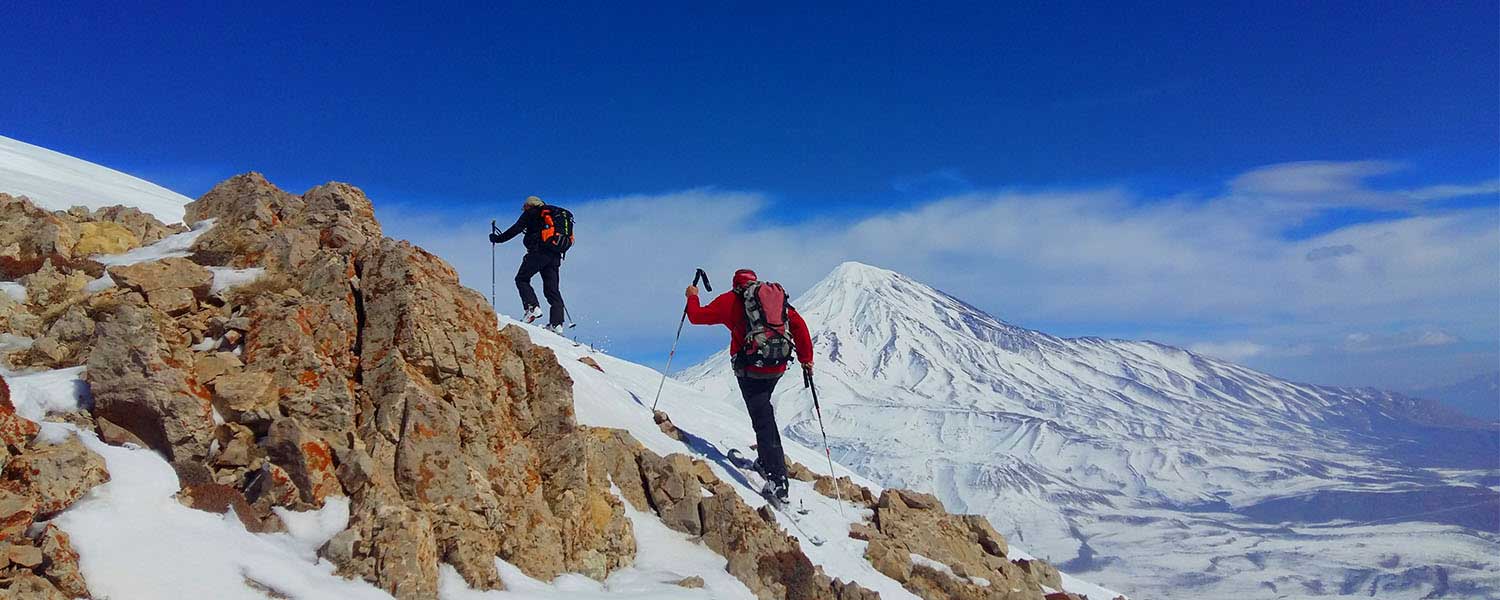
(793, 121)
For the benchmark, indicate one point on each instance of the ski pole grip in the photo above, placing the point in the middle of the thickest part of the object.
(703, 276)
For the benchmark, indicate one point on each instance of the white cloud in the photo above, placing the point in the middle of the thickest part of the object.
(1231, 351)
(1443, 192)
(1310, 177)
(1376, 342)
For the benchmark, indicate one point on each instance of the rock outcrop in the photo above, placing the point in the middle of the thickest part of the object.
(38, 481)
(375, 375)
(971, 555)
(30, 236)
(690, 498)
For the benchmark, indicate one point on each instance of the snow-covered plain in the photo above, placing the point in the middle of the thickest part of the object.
(56, 181)
(1151, 469)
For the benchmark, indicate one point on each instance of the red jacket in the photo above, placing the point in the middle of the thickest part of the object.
(729, 310)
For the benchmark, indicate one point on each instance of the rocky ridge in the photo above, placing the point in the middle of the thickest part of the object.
(357, 366)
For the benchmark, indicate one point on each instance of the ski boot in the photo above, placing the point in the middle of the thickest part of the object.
(533, 313)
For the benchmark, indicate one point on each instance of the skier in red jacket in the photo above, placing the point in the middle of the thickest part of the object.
(756, 381)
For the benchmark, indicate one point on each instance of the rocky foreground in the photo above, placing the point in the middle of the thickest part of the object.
(356, 365)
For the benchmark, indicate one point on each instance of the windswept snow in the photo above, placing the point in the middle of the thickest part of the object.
(56, 181)
(172, 246)
(15, 290)
(226, 277)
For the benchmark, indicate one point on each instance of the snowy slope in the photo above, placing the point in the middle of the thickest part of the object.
(56, 181)
(1165, 473)
(136, 541)
(620, 396)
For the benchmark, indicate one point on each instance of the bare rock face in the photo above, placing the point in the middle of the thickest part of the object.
(368, 371)
(908, 522)
(475, 429)
(139, 372)
(260, 225)
(30, 236)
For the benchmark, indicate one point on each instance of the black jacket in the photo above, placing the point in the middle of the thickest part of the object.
(530, 222)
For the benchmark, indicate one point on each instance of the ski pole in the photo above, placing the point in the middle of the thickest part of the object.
(492, 268)
(706, 286)
(838, 491)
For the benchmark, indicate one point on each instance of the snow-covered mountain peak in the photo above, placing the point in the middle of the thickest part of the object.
(1110, 452)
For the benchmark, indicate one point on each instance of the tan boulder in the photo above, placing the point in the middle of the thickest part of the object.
(246, 397)
(61, 564)
(306, 458)
(55, 475)
(260, 225)
(208, 367)
(16, 317)
(174, 302)
(164, 276)
(139, 373)
(31, 236)
(17, 511)
(1041, 572)
(673, 490)
(21, 555)
(236, 444)
(26, 585)
(104, 238)
(142, 225)
(908, 522)
(65, 342)
(15, 431)
(50, 290)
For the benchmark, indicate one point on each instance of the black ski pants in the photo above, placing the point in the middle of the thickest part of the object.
(757, 393)
(546, 263)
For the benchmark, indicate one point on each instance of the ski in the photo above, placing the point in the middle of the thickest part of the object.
(747, 466)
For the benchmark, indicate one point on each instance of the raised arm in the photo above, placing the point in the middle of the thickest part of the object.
(514, 231)
(716, 313)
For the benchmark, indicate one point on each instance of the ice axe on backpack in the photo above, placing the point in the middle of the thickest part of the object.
(707, 287)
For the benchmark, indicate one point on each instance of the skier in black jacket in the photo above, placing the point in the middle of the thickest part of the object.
(538, 259)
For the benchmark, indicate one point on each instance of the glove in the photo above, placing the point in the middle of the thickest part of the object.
(494, 238)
